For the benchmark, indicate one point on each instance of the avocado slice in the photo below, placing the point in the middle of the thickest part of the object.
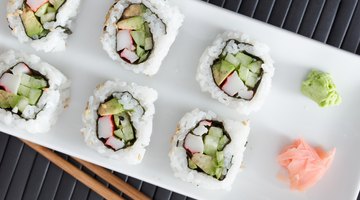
(119, 134)
(8, 100)
(4, 102)
(221, 71)
(110, 107)
(57, 3)
(42, 10)
(244, 59)
(139, 37)
(139, 51)
(133, 23)
(205, 163)
(144, 57)
(33, 27)
(128, 132)
(134, 10)
(191, 164)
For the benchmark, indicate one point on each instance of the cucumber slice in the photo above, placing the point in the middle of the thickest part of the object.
(47, 18)
(119, 134)
(255, 66)
(205, 163)
(252, 79)
(34, 96)
(23, 102)
(224, 140)
(216, 131)
(244, 59)
(14, 100)
(32, 82)
(210, 144)
(139, 37)
(23, 91)
(42, 10)
(148, 43)
(243, 73)
(220, 158)
(232, 59)
(191, 164)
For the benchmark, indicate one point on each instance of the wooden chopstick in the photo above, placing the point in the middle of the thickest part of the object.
(113, 180)
(75, 172)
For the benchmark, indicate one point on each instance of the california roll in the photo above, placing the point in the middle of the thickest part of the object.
(139, 33)
(237, 71)
(118, 120)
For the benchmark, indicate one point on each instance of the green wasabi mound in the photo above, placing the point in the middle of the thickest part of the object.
(320, 87)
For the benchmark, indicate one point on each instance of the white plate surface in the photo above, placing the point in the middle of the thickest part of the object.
(286, 115)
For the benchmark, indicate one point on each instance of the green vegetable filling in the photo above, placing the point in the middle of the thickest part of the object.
(133, 20)
(320, 87)
(29, 92)
(33, 21)
(247, 66)
(124, 129)
(211, 160)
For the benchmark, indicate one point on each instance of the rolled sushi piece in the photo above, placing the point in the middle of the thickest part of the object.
(43, 23)
(32, 92)
(208, 151)
(237, 71)
(139, 33)
(118, 120)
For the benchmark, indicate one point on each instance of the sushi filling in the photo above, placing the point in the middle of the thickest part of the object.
(36, 13)
(115, 128)
(236, 72)
(204, 147)
(134, 40)
(20, 90)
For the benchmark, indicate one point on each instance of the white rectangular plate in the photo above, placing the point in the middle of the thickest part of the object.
(286, 115)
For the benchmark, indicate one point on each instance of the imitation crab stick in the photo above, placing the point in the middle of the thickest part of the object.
(305, 165)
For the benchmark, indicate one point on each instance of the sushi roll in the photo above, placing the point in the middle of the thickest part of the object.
(207, 151)
(139, 33)
(237, 71)
(118, 120)
(43, 23)
(32, 93)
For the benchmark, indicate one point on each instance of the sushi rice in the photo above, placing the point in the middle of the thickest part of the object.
(59, 29)
(140, 100)
(233, 151)
(163, 21)
(40, 117)
(225, 43)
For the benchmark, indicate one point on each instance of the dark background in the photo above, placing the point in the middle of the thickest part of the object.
(26, 175)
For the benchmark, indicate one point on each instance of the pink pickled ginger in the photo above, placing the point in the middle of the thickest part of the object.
(305, 165)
